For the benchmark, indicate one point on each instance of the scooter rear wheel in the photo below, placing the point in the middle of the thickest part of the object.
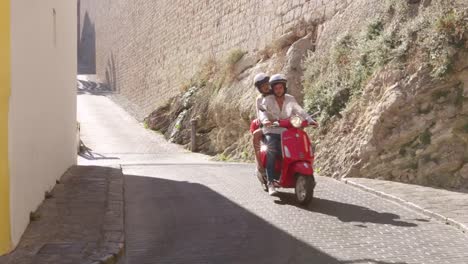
(304, 189)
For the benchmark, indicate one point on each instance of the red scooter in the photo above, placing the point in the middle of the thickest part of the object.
(296, 165)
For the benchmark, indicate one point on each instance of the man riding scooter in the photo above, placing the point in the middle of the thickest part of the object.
(276, 107)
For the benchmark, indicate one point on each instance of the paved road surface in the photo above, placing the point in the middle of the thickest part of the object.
(182, 208)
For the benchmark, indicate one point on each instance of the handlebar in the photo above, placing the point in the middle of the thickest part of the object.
(286, 123)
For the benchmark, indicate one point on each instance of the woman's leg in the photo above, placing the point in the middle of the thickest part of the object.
(257, 138)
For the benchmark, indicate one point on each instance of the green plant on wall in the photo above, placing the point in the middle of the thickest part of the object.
(425, 137)
(346, 68)
(214, 73)
(208, 70)
(234, 56)
(331, 80)
(342, 51)
(446, 36)
(223, 157)
(244, 155)
(453, 26)
(397, 6)
(374, 29)
(465, 128)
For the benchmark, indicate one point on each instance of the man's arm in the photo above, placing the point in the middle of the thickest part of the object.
(298, 110)
(263, 112)
(258, 106)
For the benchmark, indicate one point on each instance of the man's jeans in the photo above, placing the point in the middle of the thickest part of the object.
(273, 141)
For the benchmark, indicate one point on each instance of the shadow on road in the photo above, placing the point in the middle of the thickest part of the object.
(182, 222)
(94, 88)
(74, 221)
(347, 212)
(95, 156)
(88, 154)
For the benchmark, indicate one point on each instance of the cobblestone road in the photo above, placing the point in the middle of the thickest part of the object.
(219, 214)
(200, 212)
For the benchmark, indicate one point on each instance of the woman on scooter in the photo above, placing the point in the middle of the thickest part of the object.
(278, 106)
(263, 87)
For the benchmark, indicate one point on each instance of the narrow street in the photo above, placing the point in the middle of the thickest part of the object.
(182, 207)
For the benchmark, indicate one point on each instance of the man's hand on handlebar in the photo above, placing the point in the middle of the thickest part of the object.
(269, 123)
(313, 123)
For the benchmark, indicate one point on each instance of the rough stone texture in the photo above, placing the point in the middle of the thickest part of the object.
(405, 127)
(146, 49)
(388, 136)
(224, 113)
(82, 221)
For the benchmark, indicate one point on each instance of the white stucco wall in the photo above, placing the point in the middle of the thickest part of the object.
(42, 116)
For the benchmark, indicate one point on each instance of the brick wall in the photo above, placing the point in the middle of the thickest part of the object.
(146, 48)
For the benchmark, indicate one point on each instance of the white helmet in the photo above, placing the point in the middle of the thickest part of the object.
(260, 79)
(279, 78)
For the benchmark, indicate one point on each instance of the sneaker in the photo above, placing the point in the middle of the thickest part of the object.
(271, 189)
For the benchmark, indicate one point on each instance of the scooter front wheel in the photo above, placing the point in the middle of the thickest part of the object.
(304, 189)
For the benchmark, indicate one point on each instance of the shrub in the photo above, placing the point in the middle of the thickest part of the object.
(447, 35)
(397, 6)
(202, 77)
(441, 61)
(331, 80)
(453, 26)
(425, 137)
(374, 29)
(434, 37)
(234, 56)
(342, 51)
(223, 157)
(208, 70)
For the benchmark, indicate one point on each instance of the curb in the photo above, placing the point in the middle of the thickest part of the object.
(113, 246)
(410, 205)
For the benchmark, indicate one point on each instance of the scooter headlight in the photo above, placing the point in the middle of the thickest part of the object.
(296, 121)
(263, 148)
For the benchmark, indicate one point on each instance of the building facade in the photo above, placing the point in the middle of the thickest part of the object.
(38, 45)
